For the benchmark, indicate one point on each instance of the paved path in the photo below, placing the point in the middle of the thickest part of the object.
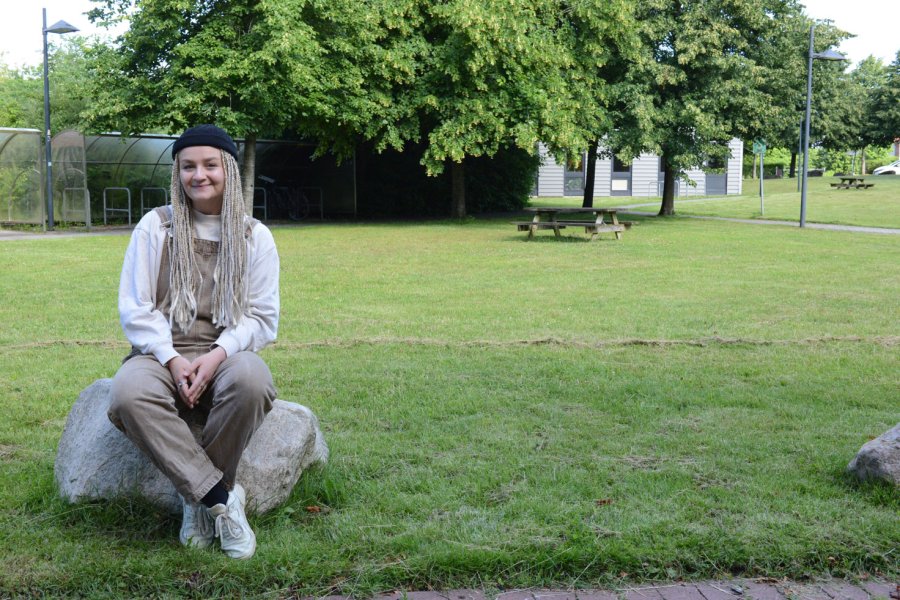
(9, 234)
(827, 226)
(13, 234)
(732, 589)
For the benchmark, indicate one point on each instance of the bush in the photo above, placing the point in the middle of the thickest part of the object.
(878, 157)
(776, 162)
(394, 184)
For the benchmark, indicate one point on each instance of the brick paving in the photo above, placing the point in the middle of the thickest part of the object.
(732, 589)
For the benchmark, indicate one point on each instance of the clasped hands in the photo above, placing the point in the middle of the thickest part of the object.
(192, 378)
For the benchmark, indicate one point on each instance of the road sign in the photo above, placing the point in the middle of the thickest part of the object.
(759, 146)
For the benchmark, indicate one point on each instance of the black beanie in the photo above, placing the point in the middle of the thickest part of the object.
(205, 135)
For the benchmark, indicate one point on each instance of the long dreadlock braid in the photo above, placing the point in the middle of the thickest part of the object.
(230, 294)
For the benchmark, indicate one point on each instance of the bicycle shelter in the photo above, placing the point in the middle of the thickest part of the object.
(115, 178)
(21, 176)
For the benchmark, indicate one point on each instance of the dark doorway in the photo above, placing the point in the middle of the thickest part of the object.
(620, 185)
(574, 176)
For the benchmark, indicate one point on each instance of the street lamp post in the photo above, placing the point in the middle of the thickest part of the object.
(58, 27)
(827, 55)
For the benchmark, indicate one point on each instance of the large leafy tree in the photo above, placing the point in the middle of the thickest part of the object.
(849, 103)
(22, 91)
(491, 77)
(598, 100)
(366, 58)
(246, 65)
(781, 122)
(707, 71)
(457, 78)
(885, 110)
(20, 96)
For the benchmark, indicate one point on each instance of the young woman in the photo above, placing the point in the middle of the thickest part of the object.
(198, 297)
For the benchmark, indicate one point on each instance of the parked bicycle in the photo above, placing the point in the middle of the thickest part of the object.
(286, 201)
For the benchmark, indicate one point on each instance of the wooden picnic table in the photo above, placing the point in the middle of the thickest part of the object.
(852, 181)
(547, 217)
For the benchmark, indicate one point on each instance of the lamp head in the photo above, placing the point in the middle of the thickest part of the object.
(61, 27)
(828, 55)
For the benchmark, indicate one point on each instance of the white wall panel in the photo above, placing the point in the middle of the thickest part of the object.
(602, 176)
(645, 180)
(550, 175)
(734, 167)
(645, 175)
(698, 176)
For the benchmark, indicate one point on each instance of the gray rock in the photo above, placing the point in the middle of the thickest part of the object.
(879, 458)
(95, 460)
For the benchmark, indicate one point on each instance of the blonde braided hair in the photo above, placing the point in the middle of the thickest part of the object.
(230, 293)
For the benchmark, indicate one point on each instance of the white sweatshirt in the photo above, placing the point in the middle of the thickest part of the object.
(148, 328)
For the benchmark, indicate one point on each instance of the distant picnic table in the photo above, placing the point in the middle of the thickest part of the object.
(546, 217)
(852, 181)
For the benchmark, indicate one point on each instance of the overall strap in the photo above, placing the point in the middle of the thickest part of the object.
(250, 223)
(165, 216)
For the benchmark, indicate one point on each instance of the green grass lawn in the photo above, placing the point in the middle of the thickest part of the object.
(875, 207)
(500, 412)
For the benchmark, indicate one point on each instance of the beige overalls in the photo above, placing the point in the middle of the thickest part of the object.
(146, 406)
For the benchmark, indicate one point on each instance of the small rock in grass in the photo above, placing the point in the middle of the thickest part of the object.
(879, 458)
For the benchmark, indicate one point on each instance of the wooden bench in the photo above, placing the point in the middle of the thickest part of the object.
(604, 220)
(591, 227)
(852, 181)
(526, 225)
(857, 186)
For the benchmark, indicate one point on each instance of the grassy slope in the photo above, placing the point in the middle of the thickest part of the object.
(876, 207)
(500, 412)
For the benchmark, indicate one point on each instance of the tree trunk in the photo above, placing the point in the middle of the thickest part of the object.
(793, 170)
(590, 174)
(862, 162)
(458, 189)
(753, 172)
(668, 197)
(248, 172)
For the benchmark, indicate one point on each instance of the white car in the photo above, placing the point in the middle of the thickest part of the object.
(891, 169)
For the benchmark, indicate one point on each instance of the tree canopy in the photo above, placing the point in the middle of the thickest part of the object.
(458, 79)
(708, 69)
(492, 77)
(242, 64)
(885, 117)
(22, 91)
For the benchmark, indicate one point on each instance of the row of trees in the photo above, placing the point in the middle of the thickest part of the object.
(22, 91)
(459, 79)
(852, 111)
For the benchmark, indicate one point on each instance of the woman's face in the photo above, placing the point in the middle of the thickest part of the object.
(202, 176)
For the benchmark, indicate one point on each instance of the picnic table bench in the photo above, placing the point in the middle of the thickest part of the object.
(852, 181)
(547, 218)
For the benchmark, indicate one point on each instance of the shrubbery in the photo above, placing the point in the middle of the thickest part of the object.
(394, 184)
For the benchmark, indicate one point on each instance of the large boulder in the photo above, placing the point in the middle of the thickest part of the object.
(95, 460)
(879, 458)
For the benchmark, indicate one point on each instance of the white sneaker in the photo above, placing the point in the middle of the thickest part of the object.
(232, 528)
(197, 526)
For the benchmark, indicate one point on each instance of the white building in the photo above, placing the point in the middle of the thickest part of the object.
(642, 178)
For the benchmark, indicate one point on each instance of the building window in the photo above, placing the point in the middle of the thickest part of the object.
(715, 165)
(619, 166)
(575, 164)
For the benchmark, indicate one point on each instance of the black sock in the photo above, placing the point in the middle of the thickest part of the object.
(217, 495)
